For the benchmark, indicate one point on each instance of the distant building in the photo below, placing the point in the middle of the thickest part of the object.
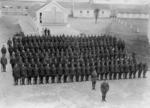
(133, 12)
(49, 14)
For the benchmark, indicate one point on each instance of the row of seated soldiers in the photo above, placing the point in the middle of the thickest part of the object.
(76, 70)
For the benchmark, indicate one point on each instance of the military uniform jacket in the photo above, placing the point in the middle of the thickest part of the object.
(60, 70)
(54, 71)
(78, 70)
(112, 68)
(72, 70)
(30, 71)
(13, 60)
(3, 50)
(98, 68)
(121, 67)
(36, 71)
(3, 61)
(47, 71)
(42, 72)
(87, 70)
(104, 87)
(83, 70)
(94, 76)
(66, 71)
(116, 68)
(16, 72)
(23, 71)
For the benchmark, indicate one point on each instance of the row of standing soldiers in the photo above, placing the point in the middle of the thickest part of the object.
(71, 58)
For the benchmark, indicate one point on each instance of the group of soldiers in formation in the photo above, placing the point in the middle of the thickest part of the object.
(71, 59)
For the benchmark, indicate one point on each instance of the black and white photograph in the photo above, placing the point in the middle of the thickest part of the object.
(75, 54)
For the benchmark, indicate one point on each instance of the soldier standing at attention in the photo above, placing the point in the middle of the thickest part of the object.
(3, 50)
(93, 79)
(145, 69)
(104, 89)
(36, 73)
(30, 73)
(23, 73)
(41, 73)
(3, 63)
(140, 69)
(16, 74)
(47, 71)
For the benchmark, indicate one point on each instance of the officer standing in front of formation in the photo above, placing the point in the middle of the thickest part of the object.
(16, 74)
(3, 63)
(93, 79)
(104, 89)
(3, 50)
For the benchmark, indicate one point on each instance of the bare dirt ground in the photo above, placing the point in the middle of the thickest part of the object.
(123, 93)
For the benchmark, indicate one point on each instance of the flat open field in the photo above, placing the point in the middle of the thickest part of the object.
(123, 93)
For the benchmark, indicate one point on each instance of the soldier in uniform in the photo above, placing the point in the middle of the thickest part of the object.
(136, 69)
(145, 69)
(72, 72)
(104, 89)
(54, 73)
(121, 70)
(29, 73)
(87, 72)
(83, 72)
(140, 68)
(13, 61)
(126, 70)
(9, 42)
(102, 71)
(10, 49)
(66, 72)
(35, 73)
(132, 69)
(60, 72)
(78, 72)
(3, 50)
(107, 70)
(94, 78)
(47, 71)
(16, 74)
(116, 70)
(23, 73)
(3, 63)
(111, 71)
(41, 73)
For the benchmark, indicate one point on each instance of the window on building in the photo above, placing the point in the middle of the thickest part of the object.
(80, 11)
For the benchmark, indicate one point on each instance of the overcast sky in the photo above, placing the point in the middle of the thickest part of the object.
(101, 1)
